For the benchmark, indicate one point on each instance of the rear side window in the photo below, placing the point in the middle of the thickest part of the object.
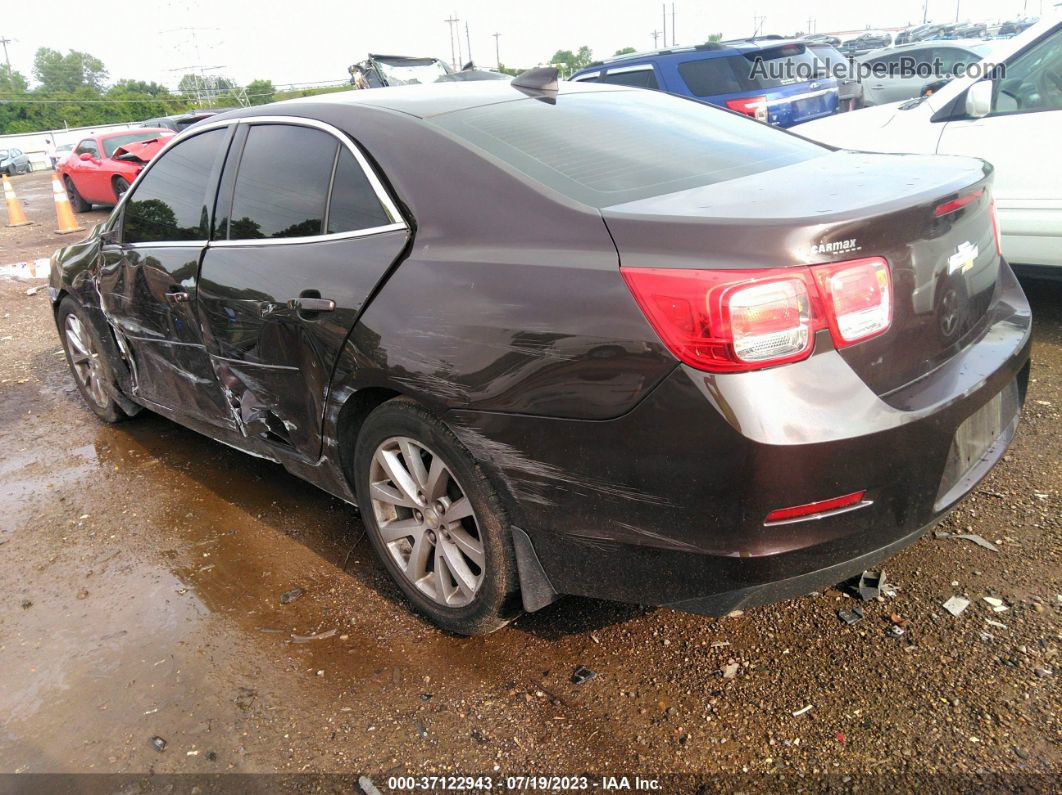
(638, 78)
(732, 74)
(606, 148)
(282, 183)
(170, 203)
(354, 204)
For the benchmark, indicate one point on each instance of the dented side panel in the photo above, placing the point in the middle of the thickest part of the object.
(274, 361)
(137, 291)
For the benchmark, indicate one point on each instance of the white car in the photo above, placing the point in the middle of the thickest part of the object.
(1012, 119)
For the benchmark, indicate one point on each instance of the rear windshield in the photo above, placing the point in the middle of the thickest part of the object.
(752, 71)
(618, 146)
(114, 141)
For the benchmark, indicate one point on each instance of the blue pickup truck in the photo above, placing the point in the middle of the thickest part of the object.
(780, 82)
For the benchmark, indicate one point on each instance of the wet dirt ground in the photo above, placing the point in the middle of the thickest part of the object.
(142, 568)
(34, 193)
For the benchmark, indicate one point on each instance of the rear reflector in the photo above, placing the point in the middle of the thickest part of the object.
(815, 508)
(756, 107)
(736, 321)
(958, 204)
(995, 227)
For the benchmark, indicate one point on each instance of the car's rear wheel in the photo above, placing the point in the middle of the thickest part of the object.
(78, 204)
(121, 185)
(89, 361)
(435, 520)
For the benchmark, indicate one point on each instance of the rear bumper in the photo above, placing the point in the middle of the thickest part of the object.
(666, 504)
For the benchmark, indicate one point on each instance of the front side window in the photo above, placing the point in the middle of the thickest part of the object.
(282, 183)
(1033, 80)
(170, 203)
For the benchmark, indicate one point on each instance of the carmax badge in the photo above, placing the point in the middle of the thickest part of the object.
(963, 259)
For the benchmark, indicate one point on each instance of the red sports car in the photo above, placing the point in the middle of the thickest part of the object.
(101, 167)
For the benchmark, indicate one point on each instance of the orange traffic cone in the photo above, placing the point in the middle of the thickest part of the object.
(15, 215)
(63, 214)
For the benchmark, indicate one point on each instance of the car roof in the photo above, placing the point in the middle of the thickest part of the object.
(428, 100)
(710, 49)
(966, 44)
(138, 130)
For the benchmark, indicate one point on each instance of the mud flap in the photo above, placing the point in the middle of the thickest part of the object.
(536, 591)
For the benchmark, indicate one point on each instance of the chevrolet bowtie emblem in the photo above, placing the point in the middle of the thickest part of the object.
(963, 259)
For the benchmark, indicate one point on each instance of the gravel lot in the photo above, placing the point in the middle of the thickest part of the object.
(142, 565)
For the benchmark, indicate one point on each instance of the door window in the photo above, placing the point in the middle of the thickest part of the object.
(354, 204)
(170, 203)
(282, 183)
(1033, 80)
(87, 146)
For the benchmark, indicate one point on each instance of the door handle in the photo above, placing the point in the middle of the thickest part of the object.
(177, 296)
(312, 304)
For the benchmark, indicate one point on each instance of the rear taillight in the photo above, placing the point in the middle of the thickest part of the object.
(954, 205)
(735, 321)
(756, 107)
(995, 227)
(857, 297)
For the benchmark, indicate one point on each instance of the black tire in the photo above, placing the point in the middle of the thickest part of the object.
(77, 204)
(121, 185)
(99, 401)
(496, 601)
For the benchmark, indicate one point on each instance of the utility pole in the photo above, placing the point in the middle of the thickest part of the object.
(757, 23)
(925, 12)
(7, 58)
(673, 41)
(957, 4)
(497, 51)
(809, 30)
(453, 56)
(656, 35)
(468, 40)
(663, 15)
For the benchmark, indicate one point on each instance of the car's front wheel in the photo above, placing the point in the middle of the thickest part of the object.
(78, 204)
(89, 361)
(435, 520)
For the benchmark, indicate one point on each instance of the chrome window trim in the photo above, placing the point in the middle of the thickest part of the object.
(642, 67)
(587, 76)
(399, 221)
(284, 241)
(162, 244)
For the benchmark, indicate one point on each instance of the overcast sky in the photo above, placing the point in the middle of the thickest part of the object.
(314, 41)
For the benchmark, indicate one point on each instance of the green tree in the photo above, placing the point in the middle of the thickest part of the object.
(625, 51)
(152, 89)
(573, 61)
(57, 72)
(260, 92)
(716, 37)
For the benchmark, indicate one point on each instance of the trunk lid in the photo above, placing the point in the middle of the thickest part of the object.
(843, 206)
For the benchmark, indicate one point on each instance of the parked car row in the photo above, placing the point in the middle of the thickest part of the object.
(1011, 118)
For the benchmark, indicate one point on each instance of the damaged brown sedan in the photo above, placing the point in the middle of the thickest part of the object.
(573, 339)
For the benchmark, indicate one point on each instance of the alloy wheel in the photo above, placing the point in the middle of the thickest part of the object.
(85, 359)
(426, 521)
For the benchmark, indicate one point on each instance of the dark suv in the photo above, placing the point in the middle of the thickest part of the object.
(770, 80)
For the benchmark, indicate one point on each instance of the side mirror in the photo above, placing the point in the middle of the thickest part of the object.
(86, 156)
(979, 99)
